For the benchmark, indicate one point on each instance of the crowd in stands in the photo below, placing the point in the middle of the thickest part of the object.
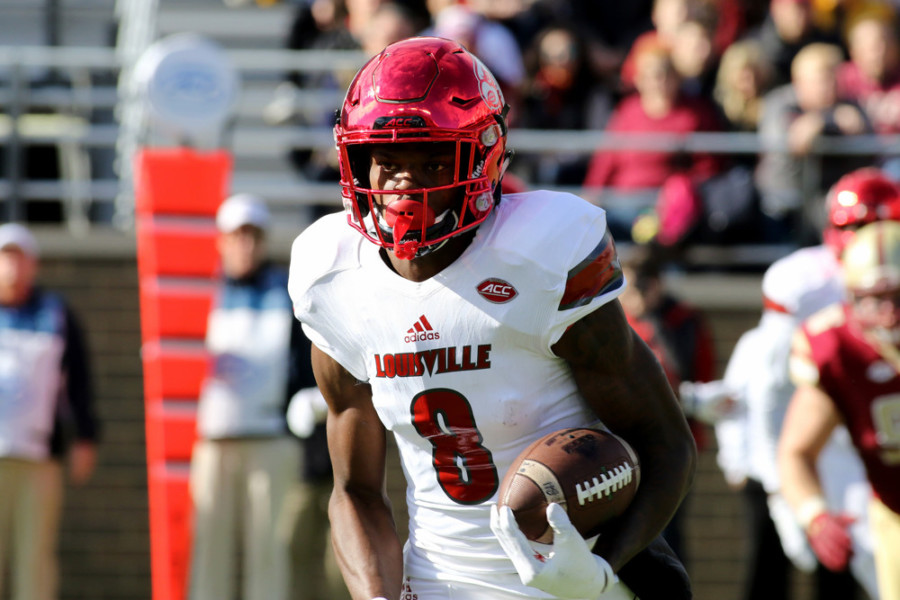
(797, 73)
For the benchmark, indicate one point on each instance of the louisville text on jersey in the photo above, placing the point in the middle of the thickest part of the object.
(433, 362)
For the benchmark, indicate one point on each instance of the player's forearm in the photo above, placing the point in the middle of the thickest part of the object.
(620, 378)
(800, 483)
(366, 545)
(666, 473)
(668, 458)
(810, 419)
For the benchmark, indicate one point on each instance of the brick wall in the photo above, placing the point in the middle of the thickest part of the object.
(105, 544)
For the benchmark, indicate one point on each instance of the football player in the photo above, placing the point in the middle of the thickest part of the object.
(794, 288)
(468, 325)
(846, 367)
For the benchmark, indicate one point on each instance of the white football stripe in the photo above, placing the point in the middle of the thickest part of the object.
(545, 480)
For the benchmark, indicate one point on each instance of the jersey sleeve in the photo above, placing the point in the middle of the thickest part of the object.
(803, 282)
(314, 287)
(594, 279)
(79, 386)
(597, 277)
(588, 272)
(768, 393)
(814, 346)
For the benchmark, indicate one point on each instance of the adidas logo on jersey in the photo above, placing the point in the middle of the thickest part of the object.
(421, 331)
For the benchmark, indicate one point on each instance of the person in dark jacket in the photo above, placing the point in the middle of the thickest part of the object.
(246, 464)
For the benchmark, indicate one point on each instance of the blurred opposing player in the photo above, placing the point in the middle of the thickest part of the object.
(794, 288)
(846, 365)
(469, 327)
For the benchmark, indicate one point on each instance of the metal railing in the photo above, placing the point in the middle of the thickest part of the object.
(70, 125)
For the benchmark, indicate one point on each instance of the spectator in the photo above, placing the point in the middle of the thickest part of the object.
(837, 18)
(795, 117)
(44, 381)
(743, 78)
(525, 19)
(609, 29)
(720, 23)
(834, 361)
(666, 16)
(492, 42)
(334, 25)
(731, 21)
(390, 22)
(694, 57)
(872, 75)
(361, 12)
(317, 25)
(560, 93)
(679, 336)
(788, 28)
(245, 463)
(632, 177)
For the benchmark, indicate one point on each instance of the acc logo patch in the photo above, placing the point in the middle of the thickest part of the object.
(496, 290)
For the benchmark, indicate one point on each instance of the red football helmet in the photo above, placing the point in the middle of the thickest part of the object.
(422, 89)
(860, 197)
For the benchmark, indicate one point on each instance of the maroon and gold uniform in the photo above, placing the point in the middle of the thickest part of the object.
(861, 375)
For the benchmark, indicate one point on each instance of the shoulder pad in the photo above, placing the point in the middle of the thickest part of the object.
(803, 282)
(534, 224)
(327, 245)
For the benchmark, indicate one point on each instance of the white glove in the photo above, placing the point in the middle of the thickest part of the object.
(306, 408)
(708, 402)
(570, 570)
(792, 536)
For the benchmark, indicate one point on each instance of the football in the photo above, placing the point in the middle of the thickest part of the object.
(593, 474)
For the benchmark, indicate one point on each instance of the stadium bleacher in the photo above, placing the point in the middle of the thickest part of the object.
(61, 64)
(86, 92)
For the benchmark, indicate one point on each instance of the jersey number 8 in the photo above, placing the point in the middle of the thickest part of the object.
(465, 469)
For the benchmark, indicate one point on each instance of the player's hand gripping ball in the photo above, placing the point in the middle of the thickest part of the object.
(592, 474)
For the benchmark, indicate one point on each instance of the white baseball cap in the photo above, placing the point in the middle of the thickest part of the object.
(13, 234)
(240, 210)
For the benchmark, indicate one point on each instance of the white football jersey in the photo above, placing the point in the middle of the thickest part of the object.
(461, 366)
(804, 281)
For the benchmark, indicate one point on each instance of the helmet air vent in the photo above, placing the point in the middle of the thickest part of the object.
(464, 102)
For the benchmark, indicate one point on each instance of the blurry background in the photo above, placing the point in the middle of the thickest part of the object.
(69, 124)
